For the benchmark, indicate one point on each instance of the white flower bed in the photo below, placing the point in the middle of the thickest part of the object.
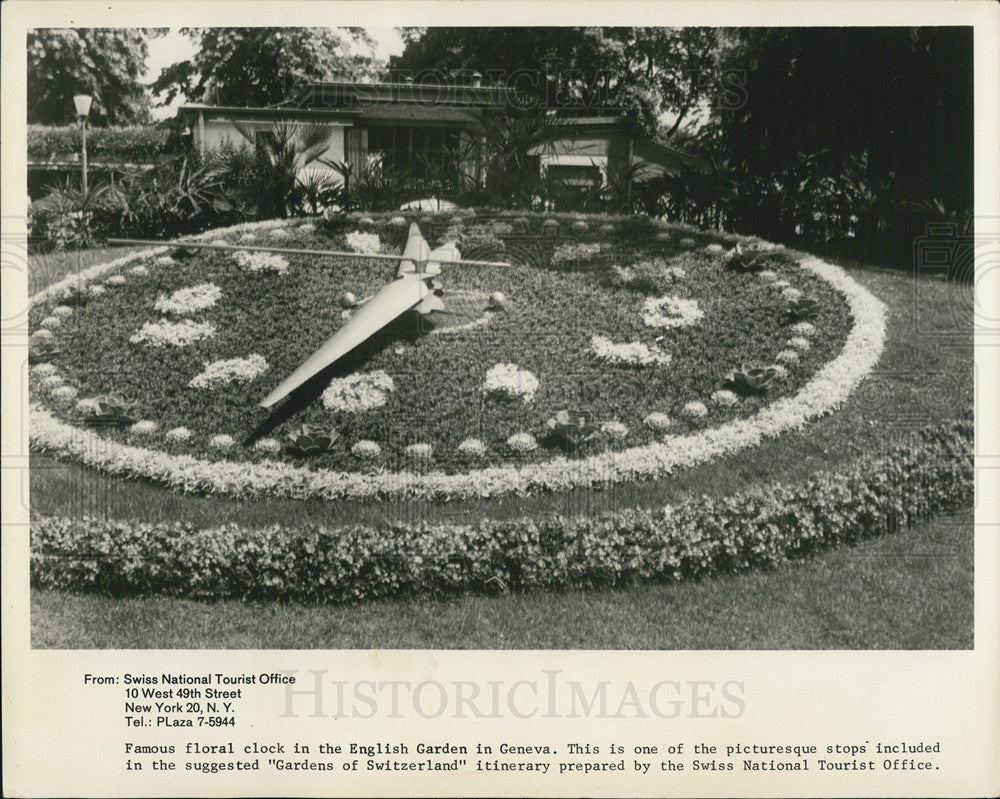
(62, 310)
(364, 243)
(269, 445)
(804, 328)
(221, 442)
(116, 280)
(359, 392)
(233, 370)
(634, 353)
(189, 300)
(175, 334)
(799, 343)
(828, 389)
(506, 378)
(671, 312)
(262, 262)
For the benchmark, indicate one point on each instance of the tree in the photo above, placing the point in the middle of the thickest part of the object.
(646, 71)
(107, 63)
(261, 66)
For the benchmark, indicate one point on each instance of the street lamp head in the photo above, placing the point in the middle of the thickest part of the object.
(82, 103)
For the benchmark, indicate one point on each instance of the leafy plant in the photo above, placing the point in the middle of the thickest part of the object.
(310, 439)
(802, 309)
(746, 259)
(750, 380)
(42, 349)
(574, 428)
(112, 410)
(68, 217)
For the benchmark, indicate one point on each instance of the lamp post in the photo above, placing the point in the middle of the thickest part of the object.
(82, 103)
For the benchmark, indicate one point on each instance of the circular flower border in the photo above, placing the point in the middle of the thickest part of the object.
(827, 390)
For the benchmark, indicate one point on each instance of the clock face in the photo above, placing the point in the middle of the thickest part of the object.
(592, 341)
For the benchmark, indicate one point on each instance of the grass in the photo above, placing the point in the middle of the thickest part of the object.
(912, 590)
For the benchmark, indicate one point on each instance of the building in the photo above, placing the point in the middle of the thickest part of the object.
(424, 127)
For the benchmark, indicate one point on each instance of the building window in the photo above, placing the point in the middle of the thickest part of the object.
(423, 152)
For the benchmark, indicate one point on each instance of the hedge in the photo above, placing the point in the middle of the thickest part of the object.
(135, 144)
(930, 472)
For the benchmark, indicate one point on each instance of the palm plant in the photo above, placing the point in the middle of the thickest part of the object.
(265, 182)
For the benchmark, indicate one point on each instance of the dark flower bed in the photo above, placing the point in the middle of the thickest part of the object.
(556, 300)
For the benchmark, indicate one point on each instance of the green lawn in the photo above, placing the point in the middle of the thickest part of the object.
(912, 590)
(909, 590)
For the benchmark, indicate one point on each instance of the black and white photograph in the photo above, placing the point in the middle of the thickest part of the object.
(626, 343)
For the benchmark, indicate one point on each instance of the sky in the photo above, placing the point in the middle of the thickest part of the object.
(173, 47)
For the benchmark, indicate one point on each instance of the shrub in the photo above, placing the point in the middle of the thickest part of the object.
(134, 144)
(931, 472)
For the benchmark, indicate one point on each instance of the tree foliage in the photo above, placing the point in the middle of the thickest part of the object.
(107, 63)
(261, 66)
(646, 71)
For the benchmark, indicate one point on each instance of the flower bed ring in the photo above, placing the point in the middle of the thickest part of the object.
(828, 389)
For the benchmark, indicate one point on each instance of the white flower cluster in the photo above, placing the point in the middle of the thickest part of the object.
(634, 353)
(221, 441)
(189, 300)
(280, 234)
(657, 421)
(725, 398)
(175, 334)
(233, 370)
(179, 434)
(472, 448)
(804, 328)
(270, 446)
(116, 280)
(522, 442)
(262, 262)
(671, 312)
(358, 392)
(567, 253)
(144, 427)
(827, 390)
(506, 378)
(695, 410)
(44, 370)
(366, 450)
(62, 310)
(398, 221)
(364, 243)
